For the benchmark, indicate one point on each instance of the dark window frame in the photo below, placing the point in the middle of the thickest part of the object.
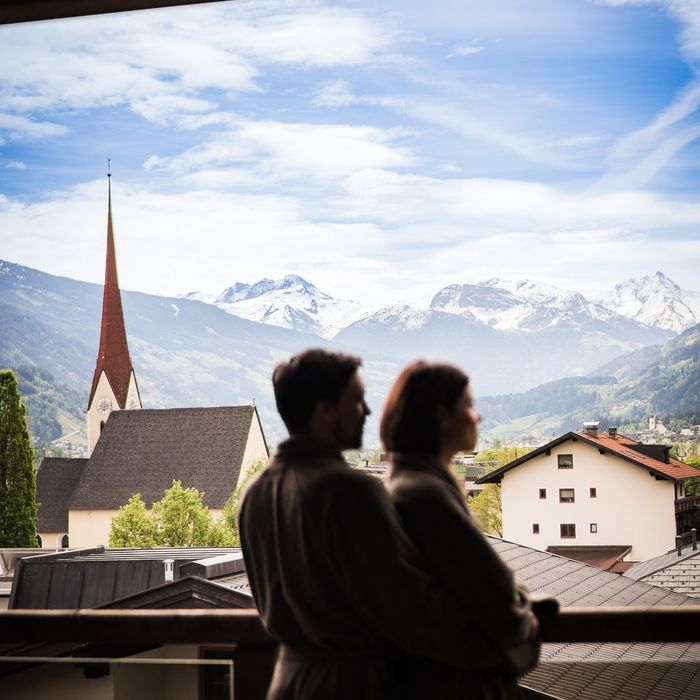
(567, 531)
(593, 492)
(562, 499)
(593, 528)
(568, 460)
(543, 494)
(535, 528)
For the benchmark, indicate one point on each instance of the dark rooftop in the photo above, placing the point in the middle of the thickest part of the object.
(92, 578)
(55, 482)
(145, 450)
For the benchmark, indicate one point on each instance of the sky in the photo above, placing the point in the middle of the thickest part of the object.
(382, 150)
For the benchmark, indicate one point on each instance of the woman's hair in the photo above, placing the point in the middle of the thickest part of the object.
(411, 418)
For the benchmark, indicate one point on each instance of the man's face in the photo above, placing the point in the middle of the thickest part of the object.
(349, 415)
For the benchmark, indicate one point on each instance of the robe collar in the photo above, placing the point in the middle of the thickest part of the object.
(306, 447)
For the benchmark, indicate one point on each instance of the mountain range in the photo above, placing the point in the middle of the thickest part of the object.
(198, 350)
(524, 305)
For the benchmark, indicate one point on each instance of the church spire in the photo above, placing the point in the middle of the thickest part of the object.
(114, 383)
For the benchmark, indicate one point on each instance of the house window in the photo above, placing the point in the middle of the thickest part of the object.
(567, 530)
(594, 493)
(566, 495)
(565, 461)
(535, 528)
(543, 493)
(594, 527)
(64, 542)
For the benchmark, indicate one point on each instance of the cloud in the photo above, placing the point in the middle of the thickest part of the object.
(377, 236)
(464, 50)
(280, 151)
(12, 164)
(170, 65)
(639, 156)
(15, 127)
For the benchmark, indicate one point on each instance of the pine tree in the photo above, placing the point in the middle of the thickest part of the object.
(18, 506)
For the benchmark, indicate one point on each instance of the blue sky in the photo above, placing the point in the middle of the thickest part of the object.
(380, 149)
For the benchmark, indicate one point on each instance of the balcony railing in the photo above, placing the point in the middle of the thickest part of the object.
(253, 650)
(687, 503)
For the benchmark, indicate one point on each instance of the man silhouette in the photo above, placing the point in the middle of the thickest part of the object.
(334, 577)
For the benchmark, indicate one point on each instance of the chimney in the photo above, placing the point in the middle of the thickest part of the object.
(168, 569)
(612, 432)
(591, 427)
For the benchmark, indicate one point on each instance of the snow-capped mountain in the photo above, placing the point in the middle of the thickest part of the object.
(290, 302)
(656, 301)
(521, 305)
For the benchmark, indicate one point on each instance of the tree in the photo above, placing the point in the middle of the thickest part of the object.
(692, 486)
(132, 526)
(486, 507)
(233, 505)
(181, 518)
(18, 506)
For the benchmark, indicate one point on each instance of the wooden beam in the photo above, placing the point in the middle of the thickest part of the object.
(630, 624)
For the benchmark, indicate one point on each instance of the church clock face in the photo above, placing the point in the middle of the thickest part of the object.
(104, 406)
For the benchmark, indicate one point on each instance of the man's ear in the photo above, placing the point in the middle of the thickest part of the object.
(323, 413)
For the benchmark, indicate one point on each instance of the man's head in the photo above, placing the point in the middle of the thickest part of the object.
(321, 393)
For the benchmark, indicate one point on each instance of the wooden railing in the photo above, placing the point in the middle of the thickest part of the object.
(254, 650)
(687, 503)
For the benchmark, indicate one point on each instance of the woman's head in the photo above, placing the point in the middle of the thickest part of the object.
(429, 410)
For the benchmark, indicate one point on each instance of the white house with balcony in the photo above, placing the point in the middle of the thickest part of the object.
(596, 493)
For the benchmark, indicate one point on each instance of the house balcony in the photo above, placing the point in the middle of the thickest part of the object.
(687, 504)
(92, 644)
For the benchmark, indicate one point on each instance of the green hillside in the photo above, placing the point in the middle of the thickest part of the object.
(664, 381)
(53, 408)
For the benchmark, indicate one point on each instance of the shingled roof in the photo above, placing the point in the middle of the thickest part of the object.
(143, 451)
(597, 671)
(677, 572)
(620, 446)
(55, 482)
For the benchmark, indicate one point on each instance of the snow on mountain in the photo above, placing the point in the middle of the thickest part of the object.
(656, 301)
(522, 305)
(290, 302)
(397, 318)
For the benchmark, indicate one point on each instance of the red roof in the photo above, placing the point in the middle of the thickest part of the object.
(113, 356)
(620, 445)
(674, 469)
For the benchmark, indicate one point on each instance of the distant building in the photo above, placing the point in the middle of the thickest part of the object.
(143, 451)
(132, 450)
(55, 482)
(588, 489)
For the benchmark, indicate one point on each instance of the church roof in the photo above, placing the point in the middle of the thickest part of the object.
(143, 451)
(113, 355)
(55, 482)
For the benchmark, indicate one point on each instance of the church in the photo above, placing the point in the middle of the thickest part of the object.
(136, 450)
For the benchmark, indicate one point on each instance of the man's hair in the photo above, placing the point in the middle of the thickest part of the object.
(307, 378)
(411, 418)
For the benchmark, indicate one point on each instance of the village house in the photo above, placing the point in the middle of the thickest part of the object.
(586, 490)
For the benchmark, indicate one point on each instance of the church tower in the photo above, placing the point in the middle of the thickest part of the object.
(114, 383)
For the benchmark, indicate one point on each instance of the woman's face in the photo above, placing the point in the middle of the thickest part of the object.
(460, 427)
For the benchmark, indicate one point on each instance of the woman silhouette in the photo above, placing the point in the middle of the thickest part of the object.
(428, 418)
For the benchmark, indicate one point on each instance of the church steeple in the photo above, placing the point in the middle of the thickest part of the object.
(114, 383)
